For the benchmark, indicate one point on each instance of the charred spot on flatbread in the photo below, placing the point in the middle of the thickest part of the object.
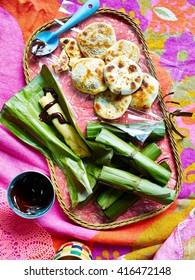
(111, 106)
(71, 48)
(87, 75)
(123, 47)
(144, 97)
(123, 75)
(95, 39)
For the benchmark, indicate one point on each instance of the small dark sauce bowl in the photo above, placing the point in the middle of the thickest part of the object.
(31, 194)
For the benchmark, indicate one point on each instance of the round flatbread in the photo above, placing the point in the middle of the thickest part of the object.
(123, 75)
(144, 97)
(123, 47)
(111, 106)
(95, 39)
(87, 75)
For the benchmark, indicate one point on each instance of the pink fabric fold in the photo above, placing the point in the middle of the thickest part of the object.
(15, 156)
(181, 243)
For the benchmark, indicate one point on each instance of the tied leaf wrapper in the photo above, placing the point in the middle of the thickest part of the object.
(126, 181)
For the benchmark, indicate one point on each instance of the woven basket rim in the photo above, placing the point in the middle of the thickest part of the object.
(165, 113)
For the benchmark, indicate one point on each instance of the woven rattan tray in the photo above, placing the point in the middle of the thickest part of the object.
(30, 73)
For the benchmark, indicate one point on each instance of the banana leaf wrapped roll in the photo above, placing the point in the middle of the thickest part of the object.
(128, 182)
(149, 167)
(121, 205)
(115, 202)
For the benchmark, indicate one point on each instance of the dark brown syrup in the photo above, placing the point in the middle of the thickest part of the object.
(44, 116)
(37, 46)
(32, 193)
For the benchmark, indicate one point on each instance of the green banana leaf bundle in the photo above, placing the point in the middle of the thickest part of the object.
(115, 202)
(20, 115)
(149, 167)
(129, 182)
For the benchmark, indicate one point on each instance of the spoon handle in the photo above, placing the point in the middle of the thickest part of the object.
(82, 13)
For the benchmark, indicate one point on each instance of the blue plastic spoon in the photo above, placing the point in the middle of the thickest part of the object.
(46, 42)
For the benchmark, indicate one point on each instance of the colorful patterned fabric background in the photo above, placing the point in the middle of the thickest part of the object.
(168, 26)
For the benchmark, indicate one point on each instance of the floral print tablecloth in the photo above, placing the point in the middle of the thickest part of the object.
(168, 27)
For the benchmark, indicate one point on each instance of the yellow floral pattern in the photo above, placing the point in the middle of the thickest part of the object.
(189, 249)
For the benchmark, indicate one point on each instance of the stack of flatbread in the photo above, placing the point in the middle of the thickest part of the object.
(108, 69)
